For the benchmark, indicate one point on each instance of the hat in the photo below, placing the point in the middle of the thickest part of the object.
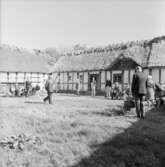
(138, 68)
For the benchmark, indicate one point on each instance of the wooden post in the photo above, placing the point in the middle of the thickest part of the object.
(24, 76)
(16, 77)
(150, 71)
(160, 73)
(99, 88)
(129, 77)
(122, 79)
(38, 77)
(111, 77)
(8, 77)
(63, 80)
(67, 80)
(83, 81)
(72, 81)
(105, 76)
(89, 81)
(31, 76)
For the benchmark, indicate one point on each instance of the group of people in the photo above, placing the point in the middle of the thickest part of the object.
(20, 90)
(113, 92)
(143, 87)
(25, 89)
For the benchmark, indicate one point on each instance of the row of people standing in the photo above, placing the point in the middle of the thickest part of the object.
(138, 87)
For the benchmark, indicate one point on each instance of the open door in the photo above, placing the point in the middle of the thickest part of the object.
(97, 78)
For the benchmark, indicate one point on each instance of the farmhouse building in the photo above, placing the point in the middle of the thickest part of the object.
(16, 66)
(117, 65)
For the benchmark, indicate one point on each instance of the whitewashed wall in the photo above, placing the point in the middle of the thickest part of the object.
(108, 75)
(41, 77)
(85, 77)
(102, 76)
(74, 77)
(74, 80)
(126, 78)
(34, 77)
(65, 78)
(85, 87)
(20, 77)
(81, 84)
(70, 81)
(3, 77)
(155, 74)
(61, 77)
(12, 77)
(163, 76)
(102, 80)
(65, 86)
(146, 71)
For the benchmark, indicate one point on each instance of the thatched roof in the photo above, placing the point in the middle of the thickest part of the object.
(21, 61)
(148, 56)
(98, 61)
(157, 55)
(84, 62)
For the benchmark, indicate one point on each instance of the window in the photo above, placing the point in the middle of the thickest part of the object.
(81, 77)
(69, 77)
(117, 78)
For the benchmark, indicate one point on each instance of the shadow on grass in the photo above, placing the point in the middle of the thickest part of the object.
(108, 112)
(141, 145)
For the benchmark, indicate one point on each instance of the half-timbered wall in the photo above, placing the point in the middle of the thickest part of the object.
(68, 80)
(20, 77)
(163, 76)
(3, 77)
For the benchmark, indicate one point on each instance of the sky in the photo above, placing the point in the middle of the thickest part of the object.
(62, 23)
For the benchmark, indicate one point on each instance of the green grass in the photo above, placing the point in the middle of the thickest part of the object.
(81, 132)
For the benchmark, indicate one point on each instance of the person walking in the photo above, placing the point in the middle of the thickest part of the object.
(108, 89)
(93, 87)
(150, 90)
(49, 88)
(139, 90)
(27, 87)
(78, 85)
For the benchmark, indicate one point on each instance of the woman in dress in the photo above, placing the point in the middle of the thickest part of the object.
(93, 87)
(78, 86)
(150, 89)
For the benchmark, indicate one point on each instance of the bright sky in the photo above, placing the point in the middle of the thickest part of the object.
(62, 23)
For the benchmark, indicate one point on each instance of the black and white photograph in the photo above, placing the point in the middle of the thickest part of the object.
(82, 83)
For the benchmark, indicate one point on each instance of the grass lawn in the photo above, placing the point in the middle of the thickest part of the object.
(80, 132)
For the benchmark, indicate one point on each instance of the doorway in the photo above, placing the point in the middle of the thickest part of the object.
(97, 78)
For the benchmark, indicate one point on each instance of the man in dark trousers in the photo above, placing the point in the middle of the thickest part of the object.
(27, 87)
(139, 90)
(108, 88)
(49, 89)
